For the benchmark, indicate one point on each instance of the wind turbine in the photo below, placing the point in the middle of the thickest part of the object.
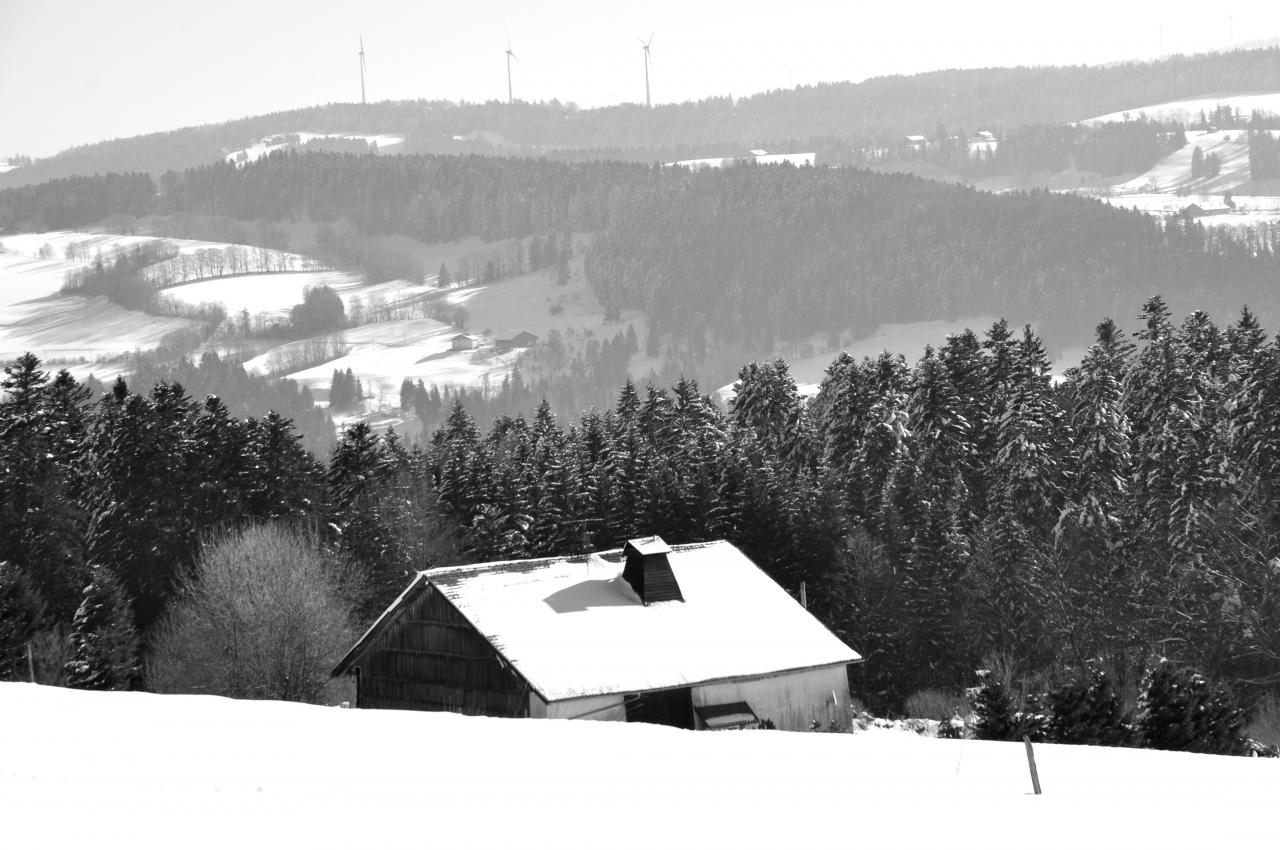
(362, 70)
(645, 45)
(510, 56)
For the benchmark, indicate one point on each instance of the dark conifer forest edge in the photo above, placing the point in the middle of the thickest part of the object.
(959, 508)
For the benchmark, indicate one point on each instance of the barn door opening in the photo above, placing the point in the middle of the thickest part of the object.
(667, 708)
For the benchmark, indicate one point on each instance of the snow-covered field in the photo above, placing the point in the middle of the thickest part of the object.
(383, 354)
(35, 317)
(1187, 110)
(1167, 187)
(1231, 148)
(272, 294)
(139, 770)
(1250, 209)
(386, 142)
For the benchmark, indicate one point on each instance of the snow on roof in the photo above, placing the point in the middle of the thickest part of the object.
(916, 139)
(574, 627)
(653, 545)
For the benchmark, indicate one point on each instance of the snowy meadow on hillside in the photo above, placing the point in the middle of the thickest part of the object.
(211, 772)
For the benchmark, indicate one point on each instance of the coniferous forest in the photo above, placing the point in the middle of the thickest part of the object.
(944, 510)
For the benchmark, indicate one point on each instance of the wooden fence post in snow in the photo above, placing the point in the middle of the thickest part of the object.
(1031, 761)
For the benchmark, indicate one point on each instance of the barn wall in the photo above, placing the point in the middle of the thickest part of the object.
(608, 707)
(791, 700)
(432, 659)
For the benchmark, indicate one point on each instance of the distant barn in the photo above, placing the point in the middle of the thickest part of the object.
(1205, 208)
(694, 636)
(523, 339)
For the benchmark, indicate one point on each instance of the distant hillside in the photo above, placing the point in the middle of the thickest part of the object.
(741, 256)
(879, 109)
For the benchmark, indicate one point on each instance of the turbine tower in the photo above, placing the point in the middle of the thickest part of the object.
(645, 45)
(510, 56)
(362, 70)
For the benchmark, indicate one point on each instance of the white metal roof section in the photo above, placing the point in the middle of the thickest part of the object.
(574, 627)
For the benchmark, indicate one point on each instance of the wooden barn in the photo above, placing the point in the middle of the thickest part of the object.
(694, 636)
(463, 342)
(523, 339)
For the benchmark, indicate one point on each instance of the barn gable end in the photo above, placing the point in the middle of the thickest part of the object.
(432, 659)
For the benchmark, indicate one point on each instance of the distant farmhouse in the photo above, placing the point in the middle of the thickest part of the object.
(759, 157)
(693, 636)
(984, 142)
(1205, 208)
(463, 342)
(523, 339)
(918, 144)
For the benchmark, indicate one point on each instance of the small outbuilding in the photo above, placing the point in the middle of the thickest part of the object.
(694, 636)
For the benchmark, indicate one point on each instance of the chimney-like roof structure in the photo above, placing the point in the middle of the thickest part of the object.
(649, 572)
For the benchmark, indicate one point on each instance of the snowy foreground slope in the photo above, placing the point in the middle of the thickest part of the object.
(140, 770)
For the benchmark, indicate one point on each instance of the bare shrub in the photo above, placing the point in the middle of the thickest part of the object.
(935, 705)
(1265, 726)
(265, 616)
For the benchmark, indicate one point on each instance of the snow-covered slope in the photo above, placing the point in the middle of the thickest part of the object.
(36, 316)
(84, 769)
(386, 143)
(1174, 171)
(1190, 109)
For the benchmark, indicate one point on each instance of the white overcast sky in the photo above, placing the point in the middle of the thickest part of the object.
(80, 71)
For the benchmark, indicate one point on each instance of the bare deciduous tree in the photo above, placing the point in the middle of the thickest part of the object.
(265, 616)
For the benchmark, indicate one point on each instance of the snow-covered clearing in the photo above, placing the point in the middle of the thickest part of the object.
(1187, 110)
(272, 294)
(1249, 210)
(1230, 146)
(140, 770)
(383, 354)
(536, 303)
(35, 317)
(386, 142)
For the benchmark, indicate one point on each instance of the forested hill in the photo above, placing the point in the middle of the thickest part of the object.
(755, 253)
(878, 109)
(746, 254)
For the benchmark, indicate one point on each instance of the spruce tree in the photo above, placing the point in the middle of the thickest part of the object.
(104, 643)
(21, 614)
(1179, 709)
(993, 709)
(1087, 711)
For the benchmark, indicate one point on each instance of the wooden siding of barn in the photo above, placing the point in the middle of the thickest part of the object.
(432, 659)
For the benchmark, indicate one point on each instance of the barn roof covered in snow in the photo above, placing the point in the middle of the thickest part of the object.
(574, 627)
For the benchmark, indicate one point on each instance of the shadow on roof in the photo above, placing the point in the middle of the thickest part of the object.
(592, 593)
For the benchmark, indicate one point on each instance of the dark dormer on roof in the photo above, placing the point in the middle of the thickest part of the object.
(648, 571)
